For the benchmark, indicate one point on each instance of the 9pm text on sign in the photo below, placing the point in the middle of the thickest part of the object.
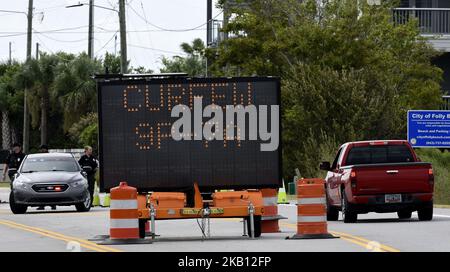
(429, 128)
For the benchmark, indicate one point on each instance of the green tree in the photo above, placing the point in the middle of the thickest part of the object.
(194, 63)
(141, 70)
(111, 64)
(85, 131)
(38, 76)
(347, 72)
(75, 89)
(10, 103)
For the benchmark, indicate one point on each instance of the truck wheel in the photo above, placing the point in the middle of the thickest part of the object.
(426, 213)
(16, 208)
(332, 212)
(404, 214)
(348, 215)
(257, 225)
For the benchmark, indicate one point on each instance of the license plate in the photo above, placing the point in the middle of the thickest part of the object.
(198, 211)
(393, 198)
(190, 211)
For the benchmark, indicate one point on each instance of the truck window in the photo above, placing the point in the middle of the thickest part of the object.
(379, 154)
(334, 165)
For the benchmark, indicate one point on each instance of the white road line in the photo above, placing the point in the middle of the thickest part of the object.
(440, 215)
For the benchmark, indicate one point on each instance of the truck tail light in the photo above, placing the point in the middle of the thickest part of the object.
(378, 143)
(431, 176)
(353, 180)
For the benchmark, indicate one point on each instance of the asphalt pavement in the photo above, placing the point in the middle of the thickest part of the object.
(67, 230)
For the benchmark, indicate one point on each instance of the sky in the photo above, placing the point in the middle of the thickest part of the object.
(153, 28)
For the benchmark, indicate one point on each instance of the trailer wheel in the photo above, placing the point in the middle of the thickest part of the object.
(142, 228)
(257, 225)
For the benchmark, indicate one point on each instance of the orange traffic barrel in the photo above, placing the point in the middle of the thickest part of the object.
(311, 210)
(124, 219)
(124, 216)
(270, 217)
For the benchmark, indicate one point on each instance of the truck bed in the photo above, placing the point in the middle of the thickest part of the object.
(411, 177)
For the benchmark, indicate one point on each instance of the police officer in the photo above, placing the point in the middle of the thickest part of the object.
(43, 148)
(89, 165)
(13, 162)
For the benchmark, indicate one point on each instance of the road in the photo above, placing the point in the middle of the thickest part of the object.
(66, 230)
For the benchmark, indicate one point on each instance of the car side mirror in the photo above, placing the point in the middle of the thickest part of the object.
(325, 166)
(83, 173)
(16, 175)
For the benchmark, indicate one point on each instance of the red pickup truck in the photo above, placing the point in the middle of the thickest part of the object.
(378, 176)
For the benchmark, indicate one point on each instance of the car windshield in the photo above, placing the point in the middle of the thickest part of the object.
(379, 154)
(45, 164)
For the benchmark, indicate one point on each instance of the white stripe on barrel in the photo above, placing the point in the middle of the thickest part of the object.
(311, 200)
(270, 201)
(129, 204)
(123, 223)
(311, 218)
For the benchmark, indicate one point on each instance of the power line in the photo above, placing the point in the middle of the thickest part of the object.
(112, 37)
(58, 40)
(166, 29)
(156, 49)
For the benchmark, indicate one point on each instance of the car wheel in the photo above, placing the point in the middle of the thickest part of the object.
(404, 214)
(348, 215)
(426, 213)
(332, 212)
(16, 208)
(84, 206)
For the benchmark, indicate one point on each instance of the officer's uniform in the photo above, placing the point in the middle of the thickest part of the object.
(13, 161)
(91, 165)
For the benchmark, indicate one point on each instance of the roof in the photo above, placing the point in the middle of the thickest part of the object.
(50, 155)
(371, 141)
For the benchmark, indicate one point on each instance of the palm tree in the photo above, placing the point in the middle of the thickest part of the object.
(75, 89)
(38, 76)
(194, 63)
(8, 101)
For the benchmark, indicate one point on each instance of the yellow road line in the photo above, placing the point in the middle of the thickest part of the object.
(384, 247)
(351, 238)
(68, 213)
(344, 236)
(59, 236)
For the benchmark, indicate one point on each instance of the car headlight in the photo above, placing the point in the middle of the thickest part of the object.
(78, 183)
(19, 184)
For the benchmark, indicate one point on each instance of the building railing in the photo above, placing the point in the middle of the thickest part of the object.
(432, 21)
(445, 102)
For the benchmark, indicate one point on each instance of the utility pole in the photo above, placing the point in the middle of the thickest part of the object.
(123, 38)
(37, 51)
(115, 45)
(209, 22)
(26, 116)
(209, 26)
(10, 55)
(91, 30)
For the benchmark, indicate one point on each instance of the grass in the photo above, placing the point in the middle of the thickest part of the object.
(4, 184)
(441, 162)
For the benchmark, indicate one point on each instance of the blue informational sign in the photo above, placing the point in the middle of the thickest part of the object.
(429, 128)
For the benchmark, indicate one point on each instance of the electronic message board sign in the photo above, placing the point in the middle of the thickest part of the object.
(136, 131)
